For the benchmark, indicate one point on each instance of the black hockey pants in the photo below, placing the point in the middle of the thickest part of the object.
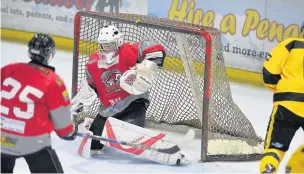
(43, 161)
(282, 127)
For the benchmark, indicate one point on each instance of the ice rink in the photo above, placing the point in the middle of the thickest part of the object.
(255, 102)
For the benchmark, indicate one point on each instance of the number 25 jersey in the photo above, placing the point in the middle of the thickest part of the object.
(34, 102)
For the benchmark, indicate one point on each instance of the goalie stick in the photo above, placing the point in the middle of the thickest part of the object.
(171, 150)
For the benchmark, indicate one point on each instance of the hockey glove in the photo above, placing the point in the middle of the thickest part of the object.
(139, 79)
(74, 113)
(72, 135)
(85, 97)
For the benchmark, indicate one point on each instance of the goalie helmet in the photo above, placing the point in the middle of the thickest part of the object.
(41, 48)
(109, 40)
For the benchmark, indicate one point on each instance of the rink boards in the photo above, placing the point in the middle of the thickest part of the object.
(234, 75)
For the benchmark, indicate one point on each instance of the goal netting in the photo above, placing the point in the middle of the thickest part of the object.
(191, 90)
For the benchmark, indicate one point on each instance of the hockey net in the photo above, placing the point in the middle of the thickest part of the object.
(191, 90)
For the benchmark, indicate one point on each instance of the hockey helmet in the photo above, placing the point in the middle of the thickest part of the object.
(42, 48)
(109, 39)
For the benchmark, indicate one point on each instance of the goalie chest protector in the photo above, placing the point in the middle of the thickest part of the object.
(106, 80)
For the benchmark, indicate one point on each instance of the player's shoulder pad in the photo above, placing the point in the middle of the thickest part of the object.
(292, 43)
(287, 41)
(93, 58)
(57, 84)
(7, 69)
(128, 49)
(13, 65)
(56, 80)
(59, 81)
(127, 45)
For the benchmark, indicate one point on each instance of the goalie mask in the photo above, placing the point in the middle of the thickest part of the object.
(109, 40)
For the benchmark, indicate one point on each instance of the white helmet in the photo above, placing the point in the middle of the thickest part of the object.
(109, 39)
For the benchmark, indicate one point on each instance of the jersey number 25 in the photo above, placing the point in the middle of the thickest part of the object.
(23, 97)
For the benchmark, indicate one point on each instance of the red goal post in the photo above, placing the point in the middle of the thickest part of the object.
(196, 69)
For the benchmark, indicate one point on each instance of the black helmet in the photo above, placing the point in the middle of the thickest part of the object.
(42, 48)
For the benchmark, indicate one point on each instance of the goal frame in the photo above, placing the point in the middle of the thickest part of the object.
(202, 32)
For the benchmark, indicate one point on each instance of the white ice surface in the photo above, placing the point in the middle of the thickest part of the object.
(255, 102)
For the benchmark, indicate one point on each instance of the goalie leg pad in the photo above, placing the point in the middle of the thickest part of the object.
(122, 131)
(135, 114)
(84, 147)
(88, 146)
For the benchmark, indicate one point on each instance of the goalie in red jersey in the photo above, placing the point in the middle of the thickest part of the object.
(121, 75)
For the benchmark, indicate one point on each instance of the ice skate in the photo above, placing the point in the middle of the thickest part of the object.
(182, 160)
(98, 152)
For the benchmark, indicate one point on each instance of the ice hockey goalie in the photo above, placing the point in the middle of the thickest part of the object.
(121, 74)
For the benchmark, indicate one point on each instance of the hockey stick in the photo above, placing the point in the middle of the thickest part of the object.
(171, 150)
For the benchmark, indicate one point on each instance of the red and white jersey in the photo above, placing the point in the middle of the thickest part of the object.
(34, 102)
(106, 82)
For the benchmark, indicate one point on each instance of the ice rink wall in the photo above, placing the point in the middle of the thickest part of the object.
(250, 29)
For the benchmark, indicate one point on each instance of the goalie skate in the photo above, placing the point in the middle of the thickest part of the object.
(99, 152)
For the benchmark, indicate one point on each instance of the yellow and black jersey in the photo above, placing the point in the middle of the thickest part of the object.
(283, 73)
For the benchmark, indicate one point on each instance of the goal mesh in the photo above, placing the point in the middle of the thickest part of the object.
(191, 90)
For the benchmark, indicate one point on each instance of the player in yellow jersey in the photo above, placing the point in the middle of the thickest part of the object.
(283, 73)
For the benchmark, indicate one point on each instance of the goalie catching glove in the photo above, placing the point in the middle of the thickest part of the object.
(139, 78)
(83, 99)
